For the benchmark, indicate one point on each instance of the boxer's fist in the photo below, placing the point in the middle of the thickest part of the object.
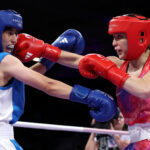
(71, 40)
(104, 107)
(94, 65)
(29, 47)
(90, 65)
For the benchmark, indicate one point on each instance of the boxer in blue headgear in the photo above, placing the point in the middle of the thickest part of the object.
(9, 18)
(13, 75)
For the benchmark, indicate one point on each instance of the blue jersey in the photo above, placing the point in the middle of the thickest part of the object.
(12, 99)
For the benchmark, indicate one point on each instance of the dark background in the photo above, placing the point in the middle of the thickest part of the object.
(47, 19)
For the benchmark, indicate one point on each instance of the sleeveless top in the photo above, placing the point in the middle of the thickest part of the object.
(135, 110)
(12, 99)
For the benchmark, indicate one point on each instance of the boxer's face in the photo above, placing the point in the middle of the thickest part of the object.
(120, 43)
(9, 39)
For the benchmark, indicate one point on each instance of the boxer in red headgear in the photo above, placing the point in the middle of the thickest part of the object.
(130, 73)
(136, 30)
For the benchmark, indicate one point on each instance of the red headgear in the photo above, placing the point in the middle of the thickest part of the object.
(137, 29)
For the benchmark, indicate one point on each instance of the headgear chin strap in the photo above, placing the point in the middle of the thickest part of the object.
(137, 29)
(9, 18)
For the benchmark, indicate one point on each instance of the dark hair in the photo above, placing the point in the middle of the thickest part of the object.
(138, 16)
(9, 29)
(125, 127)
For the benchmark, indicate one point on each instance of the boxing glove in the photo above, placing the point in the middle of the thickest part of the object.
(71, 40)
(103, 106)
(29, 47)
(94, 65)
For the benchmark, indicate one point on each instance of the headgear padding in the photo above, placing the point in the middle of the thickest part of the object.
(9, 18)
(137, 29)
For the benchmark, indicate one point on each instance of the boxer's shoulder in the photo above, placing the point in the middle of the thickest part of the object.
(116, 60)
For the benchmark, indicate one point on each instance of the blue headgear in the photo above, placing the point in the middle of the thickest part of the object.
(9, 18)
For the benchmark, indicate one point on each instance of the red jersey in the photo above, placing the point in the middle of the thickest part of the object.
(134, 109)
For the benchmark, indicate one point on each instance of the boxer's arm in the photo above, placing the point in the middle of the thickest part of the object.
(116, 60)
(100, 66)
(104, 105)
(71, 40)
(13, 67)
(139, 87)
(72, 60)
(69, 59)
(38, 67)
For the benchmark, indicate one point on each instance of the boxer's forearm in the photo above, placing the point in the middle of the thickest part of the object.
(38, 67)
(69, 59)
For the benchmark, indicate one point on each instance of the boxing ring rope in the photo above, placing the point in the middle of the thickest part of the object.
(55, 127)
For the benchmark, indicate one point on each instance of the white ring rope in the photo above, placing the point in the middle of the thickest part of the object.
(66, 128)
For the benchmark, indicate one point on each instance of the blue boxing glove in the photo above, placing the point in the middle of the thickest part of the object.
(71, 40)
(104, 107)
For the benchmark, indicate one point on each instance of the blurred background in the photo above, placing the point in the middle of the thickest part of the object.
(47, 19)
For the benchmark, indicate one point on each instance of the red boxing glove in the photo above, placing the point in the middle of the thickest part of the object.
(94, 65)
(29, 47)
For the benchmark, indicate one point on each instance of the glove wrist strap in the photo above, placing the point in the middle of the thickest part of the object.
(79, 94)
